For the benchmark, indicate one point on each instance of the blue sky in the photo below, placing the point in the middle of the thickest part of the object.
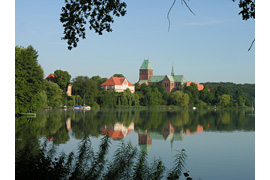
(209, 47)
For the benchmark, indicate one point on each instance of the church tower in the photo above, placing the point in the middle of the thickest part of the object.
(146, 70)
(172, 71)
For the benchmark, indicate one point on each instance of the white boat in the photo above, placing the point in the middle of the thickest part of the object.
(86, 108)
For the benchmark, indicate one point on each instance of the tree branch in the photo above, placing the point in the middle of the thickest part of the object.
(251, 45)
(169, 14)
(171, 9)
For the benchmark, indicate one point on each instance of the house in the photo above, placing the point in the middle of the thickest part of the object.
(51, 78)
(170, 82)
(118, 84)
(200, 86)
(69, 88)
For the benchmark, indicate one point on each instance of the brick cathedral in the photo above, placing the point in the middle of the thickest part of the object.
(170, 82)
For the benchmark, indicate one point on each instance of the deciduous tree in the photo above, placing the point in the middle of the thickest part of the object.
(54, 94)
(28, 80)
(118, 75)
(86, 88)
(62, 78)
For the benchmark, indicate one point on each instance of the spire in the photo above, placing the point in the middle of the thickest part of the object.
(172, 71)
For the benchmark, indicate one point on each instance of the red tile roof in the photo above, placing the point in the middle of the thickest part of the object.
(199, 129)
(116, 81)
(115, 134)
(51, 75)
(200, 86)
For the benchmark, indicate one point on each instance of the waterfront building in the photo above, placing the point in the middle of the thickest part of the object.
(118, 84)
(51, 78)
(170, 82)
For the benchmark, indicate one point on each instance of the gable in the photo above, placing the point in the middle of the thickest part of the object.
(125, 83)
(171, 79)
(178, 78)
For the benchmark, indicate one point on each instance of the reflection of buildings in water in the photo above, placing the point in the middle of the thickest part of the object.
(68, 124)
(50, 138)
(199, 129)
(169, 133)
(145, 141)
(118, 130)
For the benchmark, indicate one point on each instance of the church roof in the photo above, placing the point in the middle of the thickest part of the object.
(178, 78)
(146, 65)
(156, 78)
(170, 78)
(142, 81)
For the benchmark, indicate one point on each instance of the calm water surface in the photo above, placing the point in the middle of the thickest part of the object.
(219, 144)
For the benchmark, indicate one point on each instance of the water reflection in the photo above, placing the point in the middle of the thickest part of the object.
(168, 125)
(118, 130)
(145, 141)
(150, 127)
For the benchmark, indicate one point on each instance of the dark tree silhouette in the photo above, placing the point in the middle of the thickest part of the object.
(100, 13)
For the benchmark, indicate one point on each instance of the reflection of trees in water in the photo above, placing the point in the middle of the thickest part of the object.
(53, 123)
(126, 163)
(26, 134)
(232, 120)
(57, 124)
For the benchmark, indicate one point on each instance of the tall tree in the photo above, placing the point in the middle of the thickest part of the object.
(62, 78)
(86, 88)
(28, 80)
(241, 98)
(54, 94)
(99, 81)
(225, 100)
(181, 99)
(193, 93)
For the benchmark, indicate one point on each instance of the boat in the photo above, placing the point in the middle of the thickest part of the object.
(78, 107)
(65, 107)
(86, 108)
(28, 114)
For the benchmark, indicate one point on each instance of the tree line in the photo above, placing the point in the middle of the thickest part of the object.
(33, 92)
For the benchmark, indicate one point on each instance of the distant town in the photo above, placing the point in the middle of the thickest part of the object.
(58, 90)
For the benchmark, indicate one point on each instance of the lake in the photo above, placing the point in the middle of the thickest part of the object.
(219, 144)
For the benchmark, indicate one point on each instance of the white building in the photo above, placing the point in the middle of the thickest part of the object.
(118, 84)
